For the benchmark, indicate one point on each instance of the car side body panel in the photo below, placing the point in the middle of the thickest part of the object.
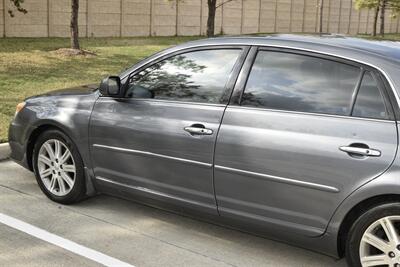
(321, 217)
(388, 184)
(68, 110)
(292, 165)
(142, 145)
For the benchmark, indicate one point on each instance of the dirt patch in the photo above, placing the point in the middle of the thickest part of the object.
(69, 52)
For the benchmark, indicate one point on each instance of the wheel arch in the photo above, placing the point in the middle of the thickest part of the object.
(356, 211)
(48, 125)
(36, 132)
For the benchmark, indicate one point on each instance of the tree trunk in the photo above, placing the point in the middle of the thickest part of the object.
(383, 9)
(212, 7)
(74, 25)
(321, 10)
(375, 20)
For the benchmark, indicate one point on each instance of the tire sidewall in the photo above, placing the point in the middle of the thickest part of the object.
(361, 225)
(78, 190)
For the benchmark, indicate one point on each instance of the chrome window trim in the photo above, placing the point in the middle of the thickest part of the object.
(151, 154)
(166, 101)
(143, 64)
(310, 113)
(280, 179)
(260, 44)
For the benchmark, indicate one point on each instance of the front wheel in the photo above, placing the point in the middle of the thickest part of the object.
(59, 168)
(374, 238)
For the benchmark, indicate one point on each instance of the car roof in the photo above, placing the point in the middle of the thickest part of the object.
(388, 50)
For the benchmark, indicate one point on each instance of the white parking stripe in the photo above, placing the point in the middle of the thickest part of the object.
(61, 242)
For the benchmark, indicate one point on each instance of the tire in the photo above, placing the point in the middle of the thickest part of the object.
(371, 225)
(60, 175)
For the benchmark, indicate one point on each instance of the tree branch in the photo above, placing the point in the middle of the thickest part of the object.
(17, 4)
(223, 3)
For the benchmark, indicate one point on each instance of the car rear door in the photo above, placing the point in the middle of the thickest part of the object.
(158, 141)
(300, 135)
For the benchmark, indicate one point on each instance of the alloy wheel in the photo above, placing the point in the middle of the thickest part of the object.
(380, 243)
(56, 167)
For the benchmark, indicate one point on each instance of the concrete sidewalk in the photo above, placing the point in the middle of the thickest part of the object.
(4, 151)
(133, 233)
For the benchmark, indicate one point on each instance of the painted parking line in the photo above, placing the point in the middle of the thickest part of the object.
(61, 242)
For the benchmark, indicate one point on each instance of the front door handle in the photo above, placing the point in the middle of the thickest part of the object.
(361, 151)
(198, 129)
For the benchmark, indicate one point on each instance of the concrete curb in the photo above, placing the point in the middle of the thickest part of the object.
(4, 151)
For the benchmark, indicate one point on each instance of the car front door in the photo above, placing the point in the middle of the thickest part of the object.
(158, 140)
(306, 132)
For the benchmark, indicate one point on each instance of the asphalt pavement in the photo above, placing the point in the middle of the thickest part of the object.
(132, 233)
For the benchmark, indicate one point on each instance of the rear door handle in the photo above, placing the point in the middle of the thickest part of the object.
(198, 129)
(367, 152)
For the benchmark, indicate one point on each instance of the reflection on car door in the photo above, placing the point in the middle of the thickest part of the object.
(295, 145)
(159, 140)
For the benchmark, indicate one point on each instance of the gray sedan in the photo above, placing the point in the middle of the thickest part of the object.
(291, 137)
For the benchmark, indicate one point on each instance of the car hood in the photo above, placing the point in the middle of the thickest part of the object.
(73, 91)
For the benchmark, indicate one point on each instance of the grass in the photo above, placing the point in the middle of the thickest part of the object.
(388, 37)
(29, 67)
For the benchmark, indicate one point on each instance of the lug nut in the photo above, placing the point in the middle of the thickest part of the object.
(391, 254)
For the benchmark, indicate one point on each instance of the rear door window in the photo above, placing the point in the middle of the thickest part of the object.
(294, 82)
(370, 101)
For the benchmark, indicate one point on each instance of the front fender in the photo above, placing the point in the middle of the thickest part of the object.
(69, 113)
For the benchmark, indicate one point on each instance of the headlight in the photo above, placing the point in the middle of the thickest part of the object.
(20, 106)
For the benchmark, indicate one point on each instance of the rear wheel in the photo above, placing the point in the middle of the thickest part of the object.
(374, 238)
(59, 168)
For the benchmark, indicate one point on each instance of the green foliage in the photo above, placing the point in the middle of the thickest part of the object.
(18, 6)
(29, 66)
(392, 5)
(395, 7)
(369, 4)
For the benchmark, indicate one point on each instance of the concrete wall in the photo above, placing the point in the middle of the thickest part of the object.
(99, 18)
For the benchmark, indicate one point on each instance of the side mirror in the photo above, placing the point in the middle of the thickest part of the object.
(110, 86)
